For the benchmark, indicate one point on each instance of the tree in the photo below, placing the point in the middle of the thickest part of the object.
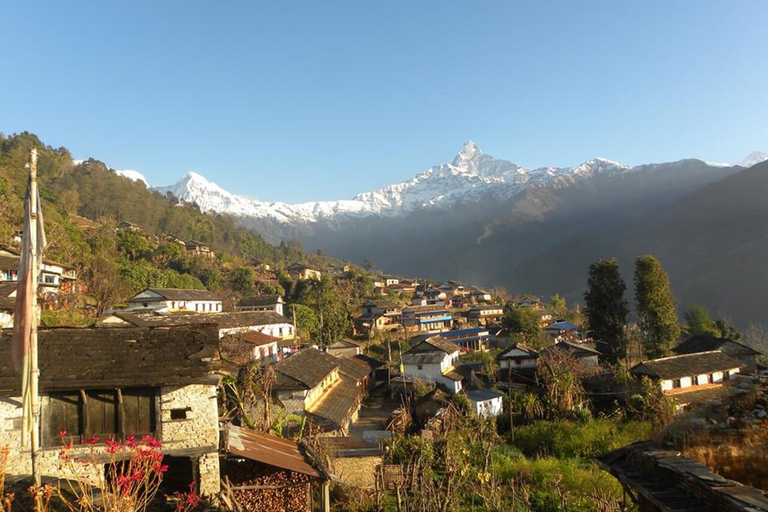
(655, 307)
(558, 305)
(105, 284)
(369, 264)
(607, 309)
(525, 323)
(698, 322)
(243, 279)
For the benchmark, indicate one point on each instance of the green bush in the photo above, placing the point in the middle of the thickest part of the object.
(564, 439)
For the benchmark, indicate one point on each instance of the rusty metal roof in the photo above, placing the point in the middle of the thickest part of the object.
(269, 449)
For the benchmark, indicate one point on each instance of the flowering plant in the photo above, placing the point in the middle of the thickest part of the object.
(129, 483)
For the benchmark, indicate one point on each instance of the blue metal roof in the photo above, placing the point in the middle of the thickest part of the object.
(564, 326)
(463, 332)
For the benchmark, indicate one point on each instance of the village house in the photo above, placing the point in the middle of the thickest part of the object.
(688, 372)
(249, 346)
(300, 272)
(54, 277)
(733, 349)
(481, 296)
(164, 386)
(266, 322)
(338, 270)
(485, 315)
(486, 403)
(426, 319)
(129, 226)
(401, 289)
(260, 265)
(435, 296)
(563, 331)
(433, 360)
(173, 239)
(261, 303)
(366, 324)
(517, 357)
(344, 348)
(528, 302)
(196, 248)
(390, 280)
(327, 389)
(476, 338)
(583, 354)
(174, 300)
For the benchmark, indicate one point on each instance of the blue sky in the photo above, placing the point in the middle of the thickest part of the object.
(298, 101)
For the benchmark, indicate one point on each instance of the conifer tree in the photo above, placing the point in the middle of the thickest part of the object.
(655, 307)
(607, 309)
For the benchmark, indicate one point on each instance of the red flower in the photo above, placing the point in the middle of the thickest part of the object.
(91, 441)
(193, 498)
(113, 446)
(160, 468)
(62, 433)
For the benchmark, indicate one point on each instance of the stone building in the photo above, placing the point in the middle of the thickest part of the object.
(113, 383)
(174, 300)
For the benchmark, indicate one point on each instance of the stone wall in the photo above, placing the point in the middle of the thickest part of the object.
(198, 432)
(357, 471)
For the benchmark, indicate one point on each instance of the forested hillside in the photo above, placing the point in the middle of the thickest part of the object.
(82, 205)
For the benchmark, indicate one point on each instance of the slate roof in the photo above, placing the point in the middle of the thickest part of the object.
(352, 369)
(482, 395)
(417, 358)
(344, 343)
(367, 362)
(256, 338)
(705, 343)
(98, 358)
(178, 294)
(337, 405)
(562, 326)
(227, 320)
(435, 343)
(305, 369)
(678, 484)
(261, 300)
(577, 351)
(518, 346)
(381, 304)
(685, 365)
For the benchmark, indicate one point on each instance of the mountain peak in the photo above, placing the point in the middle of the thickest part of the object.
(469, 152)
(754, 158)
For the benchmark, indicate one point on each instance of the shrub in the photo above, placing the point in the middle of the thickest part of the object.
(564, 439)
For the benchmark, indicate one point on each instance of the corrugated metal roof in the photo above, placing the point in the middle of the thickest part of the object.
(268, 449)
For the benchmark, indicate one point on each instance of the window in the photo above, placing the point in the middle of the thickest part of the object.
(694, 381)
(113, 413)
(711, 378)
(518, 362)
(421, 367)
(676, 383)
(49, 279)
(727, 375)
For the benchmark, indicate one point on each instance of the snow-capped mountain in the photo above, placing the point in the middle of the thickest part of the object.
(472, 176)
(754, 158)
(132, 175)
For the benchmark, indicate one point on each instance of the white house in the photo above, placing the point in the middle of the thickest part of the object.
(54, 277)
(265, 322)
(517, 357)
(678, 374)
(261, 303)
(487, 404)
(300, 271)
(174, 300)
(434, 360)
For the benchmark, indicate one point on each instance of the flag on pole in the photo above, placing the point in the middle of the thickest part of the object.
(25, 315)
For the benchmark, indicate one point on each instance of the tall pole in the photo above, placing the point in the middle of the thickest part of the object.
(34, 369)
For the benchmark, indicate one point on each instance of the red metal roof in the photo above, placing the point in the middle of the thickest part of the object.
(269, 449)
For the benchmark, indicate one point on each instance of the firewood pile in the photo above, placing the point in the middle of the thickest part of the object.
(251, 486)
